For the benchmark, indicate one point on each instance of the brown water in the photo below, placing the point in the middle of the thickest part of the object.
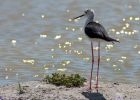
(37, 37)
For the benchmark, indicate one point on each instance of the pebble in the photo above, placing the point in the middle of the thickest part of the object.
(116, 83)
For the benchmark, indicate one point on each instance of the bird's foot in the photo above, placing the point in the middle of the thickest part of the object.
(89, 89)
(97, 87)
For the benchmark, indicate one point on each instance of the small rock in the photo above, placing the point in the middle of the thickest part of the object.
(20, 98)
(44, 91)
(61, 87)
(116, 83)
(125, 96)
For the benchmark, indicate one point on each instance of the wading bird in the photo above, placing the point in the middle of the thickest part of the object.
(96, 32)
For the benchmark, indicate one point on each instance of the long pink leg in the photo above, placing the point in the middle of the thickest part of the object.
(92, 66)
(98, 65)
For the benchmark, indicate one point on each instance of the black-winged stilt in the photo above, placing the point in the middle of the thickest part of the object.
(97, 32)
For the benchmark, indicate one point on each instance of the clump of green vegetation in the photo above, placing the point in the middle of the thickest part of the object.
(73, 80)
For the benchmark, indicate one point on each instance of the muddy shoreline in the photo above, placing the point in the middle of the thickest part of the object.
(37, 90)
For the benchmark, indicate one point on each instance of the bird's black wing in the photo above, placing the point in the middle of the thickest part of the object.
(95, 30)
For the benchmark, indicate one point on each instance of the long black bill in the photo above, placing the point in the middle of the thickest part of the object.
(79, 16)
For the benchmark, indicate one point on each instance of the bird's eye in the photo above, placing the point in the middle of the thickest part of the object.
(86, 11)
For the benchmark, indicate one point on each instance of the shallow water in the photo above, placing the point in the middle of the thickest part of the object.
(37, 37)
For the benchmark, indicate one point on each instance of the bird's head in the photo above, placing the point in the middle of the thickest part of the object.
(88, 12)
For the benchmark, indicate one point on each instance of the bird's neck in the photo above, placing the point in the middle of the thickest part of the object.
(89, 19)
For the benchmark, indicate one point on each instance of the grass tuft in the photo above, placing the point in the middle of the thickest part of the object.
(20, 89)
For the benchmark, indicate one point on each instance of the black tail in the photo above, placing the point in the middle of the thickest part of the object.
(109, 39)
